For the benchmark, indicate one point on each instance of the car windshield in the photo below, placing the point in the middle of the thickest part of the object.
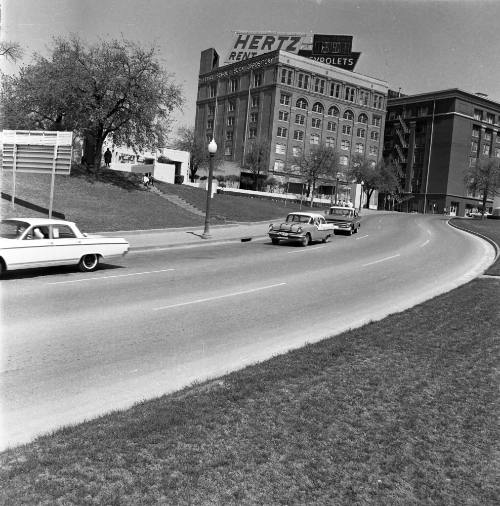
(12, 229)
(340, 212)
(297, 218)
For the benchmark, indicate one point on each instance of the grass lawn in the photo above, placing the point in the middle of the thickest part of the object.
(117, 201)
(402, 411)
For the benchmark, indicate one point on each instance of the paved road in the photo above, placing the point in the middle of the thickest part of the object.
(77, 345)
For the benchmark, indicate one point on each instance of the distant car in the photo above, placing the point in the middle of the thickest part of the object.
(343, 219)
(39, 242)
(302, 227)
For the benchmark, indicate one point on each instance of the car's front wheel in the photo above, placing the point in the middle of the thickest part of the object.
(89, 263)
(306, 240)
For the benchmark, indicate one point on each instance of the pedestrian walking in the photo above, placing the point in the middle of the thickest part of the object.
(145, 180)
(107, 157)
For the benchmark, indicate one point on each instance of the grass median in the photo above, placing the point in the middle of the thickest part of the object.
(400, 411)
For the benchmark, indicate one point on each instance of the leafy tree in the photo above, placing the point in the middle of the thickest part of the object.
(113, 90)
(483, 178)
(11, 51)
(362, 170)
(198, 151)
(256, 157)
(320, 161)
(389, 181)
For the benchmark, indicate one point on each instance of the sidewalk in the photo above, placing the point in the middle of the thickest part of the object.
(191, 236)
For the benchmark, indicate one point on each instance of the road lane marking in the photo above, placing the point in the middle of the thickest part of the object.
(108, 277)
(381, 260)
(209, 299)
(307, 249)
(425, 243)
(362, 237)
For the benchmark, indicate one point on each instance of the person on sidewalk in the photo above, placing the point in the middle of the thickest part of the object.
(107, 157)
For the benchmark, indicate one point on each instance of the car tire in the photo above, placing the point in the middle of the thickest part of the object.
(306, 240)
(275, 241)
(326, 239)
(88, 263)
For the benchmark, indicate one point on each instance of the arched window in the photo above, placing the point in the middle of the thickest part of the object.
(318, 107)
(333, 111)
(349, 115)
(302, 103)
(363, 118)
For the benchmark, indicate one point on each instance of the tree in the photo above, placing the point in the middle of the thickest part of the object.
(198, 150)
(483, 178)
(11, 51)
(365, 172)
(389, 181)
(256, 158)
(109, 90)
(320, 161)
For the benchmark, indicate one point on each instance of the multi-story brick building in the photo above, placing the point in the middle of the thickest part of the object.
(294, 103)
(436, 137)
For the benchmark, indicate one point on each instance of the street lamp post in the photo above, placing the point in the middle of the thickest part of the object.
(361, 196)
(212, 149)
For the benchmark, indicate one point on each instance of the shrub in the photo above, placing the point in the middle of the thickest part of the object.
(178, 179)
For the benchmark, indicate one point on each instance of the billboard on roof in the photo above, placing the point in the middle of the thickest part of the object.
(335, 50)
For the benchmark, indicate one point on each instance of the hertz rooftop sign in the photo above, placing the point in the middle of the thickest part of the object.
(335, 50)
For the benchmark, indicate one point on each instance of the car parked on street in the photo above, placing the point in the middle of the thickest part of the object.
(302, 227)
(344, 219)
(40, 242)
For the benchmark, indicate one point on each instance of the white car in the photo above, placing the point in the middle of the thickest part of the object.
(40, 242)
(302, 227)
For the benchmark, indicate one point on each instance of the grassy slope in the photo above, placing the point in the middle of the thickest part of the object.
(118, 202)
(402, 411)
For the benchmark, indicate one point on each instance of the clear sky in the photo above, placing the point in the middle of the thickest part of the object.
(415, 45)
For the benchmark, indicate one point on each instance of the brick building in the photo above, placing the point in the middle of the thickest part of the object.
(292, 101)
(436, 137)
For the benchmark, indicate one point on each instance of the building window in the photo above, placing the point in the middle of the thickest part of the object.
(378, 102)
(301, 103)
(281, 132)
(314, 139)
(252, 133)
(229, 135)
(363, 118)
(360, 133)
(211, 109)
(486, 149)
(255, 101)
(422, 111)
(333, 111)
(344, 160)
(316, 123)
(296, 151)
(279, 165)
(253, 117)
(346, 129)
(474, 146)
(230, 106)
(317, 107)
(298, 135)
(284, 99)
(497, 152)
(331, 126)
(228, 150)
(330, 142)
(475, 132)
(373, 150)
(360, 148)
(300, 119)
(303, 81)
(376, 121)
(286, 76)
(345, 145)
(374, 136)
(335, 90)
(257, 79)
(233, 85)
(319, 85)
(283, 115)
(363, 97)
(487, 136)
(210, 124)
(478, 115)
(490, 118)
(212, 90)
(349, 94)
(348, 115)
(230, 121)
(280, 149)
